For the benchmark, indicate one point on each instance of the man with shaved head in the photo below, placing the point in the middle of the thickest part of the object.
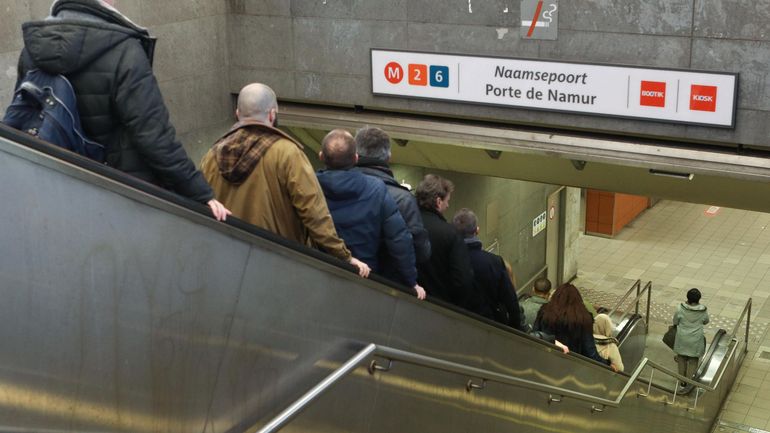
(365, 215)
(263, 176)
(108, 60)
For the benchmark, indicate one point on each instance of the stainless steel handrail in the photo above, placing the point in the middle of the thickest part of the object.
(746, 311)
(618, 304)
(292, 411)
(639, 294)
(391, 354)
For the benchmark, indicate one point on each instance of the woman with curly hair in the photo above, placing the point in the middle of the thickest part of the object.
(566, 317)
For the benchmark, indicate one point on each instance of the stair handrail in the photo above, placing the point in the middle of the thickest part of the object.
(391, 354)
(747, 314)
(640, 292)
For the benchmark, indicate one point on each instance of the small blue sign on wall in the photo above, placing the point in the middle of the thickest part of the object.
(439, 76)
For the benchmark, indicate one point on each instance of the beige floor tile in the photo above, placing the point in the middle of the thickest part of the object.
(734, 417)
(740, 408)
(759, 413)
(755, 422)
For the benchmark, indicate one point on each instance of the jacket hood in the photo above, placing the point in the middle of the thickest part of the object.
(77, 33)
(381, 172)
(239, 151)
(342, 185)
(692, 313)
(603, 326)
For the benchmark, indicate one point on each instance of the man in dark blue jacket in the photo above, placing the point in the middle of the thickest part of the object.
(373, 146)
(364, 214)
(493, 285)
(108, 60)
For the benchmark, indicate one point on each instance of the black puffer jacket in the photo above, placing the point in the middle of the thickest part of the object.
(107, 59)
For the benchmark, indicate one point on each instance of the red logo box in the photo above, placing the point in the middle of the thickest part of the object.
(418, 75)
(394, 73)
(703, 98)
(653, 94)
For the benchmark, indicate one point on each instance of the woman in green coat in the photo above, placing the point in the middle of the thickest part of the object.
(690, 343)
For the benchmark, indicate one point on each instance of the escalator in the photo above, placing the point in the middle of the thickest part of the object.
(128, 309)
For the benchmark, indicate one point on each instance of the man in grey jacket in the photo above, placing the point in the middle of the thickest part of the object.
(373, 147)
(108, 60)
(540, 292)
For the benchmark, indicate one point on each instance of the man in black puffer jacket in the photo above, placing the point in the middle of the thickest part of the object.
(108, 58)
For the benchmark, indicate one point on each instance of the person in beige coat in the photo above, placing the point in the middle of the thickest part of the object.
(263, 176)
(606, 344)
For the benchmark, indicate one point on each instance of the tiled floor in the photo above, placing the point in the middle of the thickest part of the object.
(680, 245)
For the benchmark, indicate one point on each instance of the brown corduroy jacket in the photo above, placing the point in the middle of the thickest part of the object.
(271, 185)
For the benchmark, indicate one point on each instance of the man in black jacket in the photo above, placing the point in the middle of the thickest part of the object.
(493, 285)
(108, 58)
(373, 146)
(448, 274)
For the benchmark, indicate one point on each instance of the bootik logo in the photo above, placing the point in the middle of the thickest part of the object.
(653, 94)
(703, 98)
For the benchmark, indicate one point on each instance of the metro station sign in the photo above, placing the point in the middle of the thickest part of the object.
(668, 95)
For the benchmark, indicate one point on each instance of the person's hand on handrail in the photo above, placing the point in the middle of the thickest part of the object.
(218, 209)
(363, 268)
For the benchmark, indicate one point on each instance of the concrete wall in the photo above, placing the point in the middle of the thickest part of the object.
(317, 50)
(191, 59)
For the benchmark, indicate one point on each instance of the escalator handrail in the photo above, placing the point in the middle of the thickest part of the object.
(391, 354)
(249, 230)
(630, 324)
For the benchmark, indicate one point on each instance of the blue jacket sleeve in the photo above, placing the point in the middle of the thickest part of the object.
(398, 241)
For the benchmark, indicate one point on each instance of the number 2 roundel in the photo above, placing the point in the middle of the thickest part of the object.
(394, 73)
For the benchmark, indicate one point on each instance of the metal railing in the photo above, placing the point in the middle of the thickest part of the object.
(640, 292)
(556, 394)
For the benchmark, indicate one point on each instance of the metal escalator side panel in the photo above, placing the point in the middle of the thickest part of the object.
(127, 312)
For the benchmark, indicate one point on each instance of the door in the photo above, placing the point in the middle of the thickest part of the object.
(553, 237)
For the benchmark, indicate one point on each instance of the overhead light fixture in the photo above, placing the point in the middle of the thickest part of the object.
(578, 164)
(494, 154)
(674, 174)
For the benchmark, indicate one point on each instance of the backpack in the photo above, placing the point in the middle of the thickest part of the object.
(44, 105)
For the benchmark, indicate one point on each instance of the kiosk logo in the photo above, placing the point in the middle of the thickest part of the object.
(653, 94)
(703, 98)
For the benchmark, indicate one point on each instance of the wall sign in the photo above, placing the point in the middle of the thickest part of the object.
(539, 224)
(692, 97)
(539, 19)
